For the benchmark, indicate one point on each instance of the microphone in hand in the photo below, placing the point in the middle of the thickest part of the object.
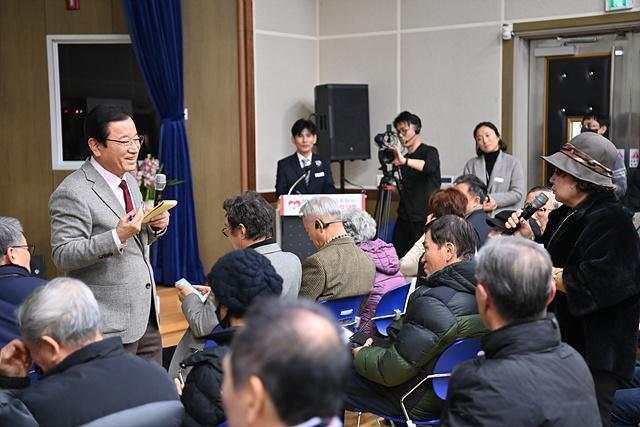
(159, 184)
(528, 210)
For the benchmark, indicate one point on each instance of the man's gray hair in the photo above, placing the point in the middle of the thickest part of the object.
(10, 233)
(517, 274)
(64, 309)
(322, 207)
(360, 225)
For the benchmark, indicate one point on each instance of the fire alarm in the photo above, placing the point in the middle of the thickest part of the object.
(73, 4)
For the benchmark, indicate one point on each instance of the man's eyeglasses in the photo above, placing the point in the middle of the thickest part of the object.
(31, 248)
(136, 142)
(225, 231)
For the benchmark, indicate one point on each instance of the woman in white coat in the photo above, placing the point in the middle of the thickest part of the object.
(501, 172)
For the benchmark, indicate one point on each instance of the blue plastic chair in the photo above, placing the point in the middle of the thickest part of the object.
(346, 310)
(391, 307)
(458, 352)
(224, 424)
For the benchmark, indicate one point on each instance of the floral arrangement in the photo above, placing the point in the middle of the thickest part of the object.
(146, 176)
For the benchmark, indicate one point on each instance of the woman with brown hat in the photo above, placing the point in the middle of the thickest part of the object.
(595, 252)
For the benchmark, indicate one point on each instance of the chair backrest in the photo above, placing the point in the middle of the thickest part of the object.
(458, 352)
(345, 310)
(157, 414)
(391, 306)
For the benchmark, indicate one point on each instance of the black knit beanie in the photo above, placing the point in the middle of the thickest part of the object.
(241, 276)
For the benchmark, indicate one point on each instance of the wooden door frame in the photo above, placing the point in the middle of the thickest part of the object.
(247, 95)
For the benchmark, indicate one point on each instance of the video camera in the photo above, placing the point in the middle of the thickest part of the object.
(385, 141)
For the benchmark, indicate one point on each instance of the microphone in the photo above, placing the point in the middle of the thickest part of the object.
(305, 171)
(528, 210)
(158, 185)
(313, 165)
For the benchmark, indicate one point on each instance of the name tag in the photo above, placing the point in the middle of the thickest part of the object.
(498, 179)
(318, 174)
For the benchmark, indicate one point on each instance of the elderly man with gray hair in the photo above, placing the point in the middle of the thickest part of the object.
(86, 378)
(528, 376)
(16, 281)
(339, 269)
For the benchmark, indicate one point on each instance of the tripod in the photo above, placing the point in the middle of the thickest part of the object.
(383, 205)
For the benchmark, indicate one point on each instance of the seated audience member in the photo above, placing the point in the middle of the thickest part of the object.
(626, 403)
(287, 367)
(86, 376)
(528, 377)
(362, 229)
(16, 281)
(600, 125)
(248, 224)
(441, 310)
(237, 279)
(339, 269)
(476, 193)
(442, 202)
(317, 180)
(542, 215)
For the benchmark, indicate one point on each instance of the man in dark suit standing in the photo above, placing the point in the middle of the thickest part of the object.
(317, 180)
(16, 281)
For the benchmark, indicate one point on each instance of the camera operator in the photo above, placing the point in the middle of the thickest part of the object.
(419, 177)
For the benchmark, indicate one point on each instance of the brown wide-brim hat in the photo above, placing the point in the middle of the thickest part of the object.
(589, 157)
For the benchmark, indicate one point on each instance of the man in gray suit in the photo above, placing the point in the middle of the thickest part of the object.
(97, 234)
(339, 269)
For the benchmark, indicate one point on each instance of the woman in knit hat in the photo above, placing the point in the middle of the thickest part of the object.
(237, 280)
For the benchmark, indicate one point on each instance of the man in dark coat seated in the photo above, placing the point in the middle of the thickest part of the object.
(476, 193)
(16, 281)
(441, 311)
(529, 377)
(85, 377)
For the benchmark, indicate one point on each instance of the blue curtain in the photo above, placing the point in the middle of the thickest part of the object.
(155, 28)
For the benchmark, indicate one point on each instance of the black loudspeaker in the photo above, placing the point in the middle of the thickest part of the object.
(342, 117)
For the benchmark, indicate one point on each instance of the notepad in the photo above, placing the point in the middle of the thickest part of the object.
(163, 206)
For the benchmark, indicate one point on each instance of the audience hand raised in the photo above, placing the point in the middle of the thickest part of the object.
(130, 224)
(15, 359)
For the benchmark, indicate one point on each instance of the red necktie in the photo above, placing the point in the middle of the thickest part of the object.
(128, 204)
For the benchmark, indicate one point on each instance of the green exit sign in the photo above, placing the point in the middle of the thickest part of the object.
(612, 5)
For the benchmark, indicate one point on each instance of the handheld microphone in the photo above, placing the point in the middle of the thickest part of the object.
(158, 185)
(528, 210)
(305, 171)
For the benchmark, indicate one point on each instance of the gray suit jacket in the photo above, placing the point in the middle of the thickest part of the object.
(83, 212)
(287, 265)
(506, 183)
(202, 319)
(339, 269)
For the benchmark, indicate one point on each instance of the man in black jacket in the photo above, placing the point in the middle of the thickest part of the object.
(85, 377)
(16, 281)
(476, 193)
(529, 377)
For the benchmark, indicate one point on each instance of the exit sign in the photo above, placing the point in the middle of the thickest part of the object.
(613, 5)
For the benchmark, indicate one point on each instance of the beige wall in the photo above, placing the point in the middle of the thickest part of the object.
(211, 94)
(441, 60)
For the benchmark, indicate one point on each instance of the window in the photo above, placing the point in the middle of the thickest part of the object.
(87, 70)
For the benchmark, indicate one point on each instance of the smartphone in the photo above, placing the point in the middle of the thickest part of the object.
(185, 282)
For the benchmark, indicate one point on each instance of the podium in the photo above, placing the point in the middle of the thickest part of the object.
(290, 233)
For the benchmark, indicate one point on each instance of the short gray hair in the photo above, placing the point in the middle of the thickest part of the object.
(321, 206)
(64, 309)
(360, 225)
(517, 274)
(10, 233)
